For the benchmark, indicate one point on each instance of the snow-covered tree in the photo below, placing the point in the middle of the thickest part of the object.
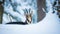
(13, 10)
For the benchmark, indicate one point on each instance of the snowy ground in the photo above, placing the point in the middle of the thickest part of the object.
(49, 25)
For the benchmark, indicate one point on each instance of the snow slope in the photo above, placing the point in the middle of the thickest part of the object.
(49, 25)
